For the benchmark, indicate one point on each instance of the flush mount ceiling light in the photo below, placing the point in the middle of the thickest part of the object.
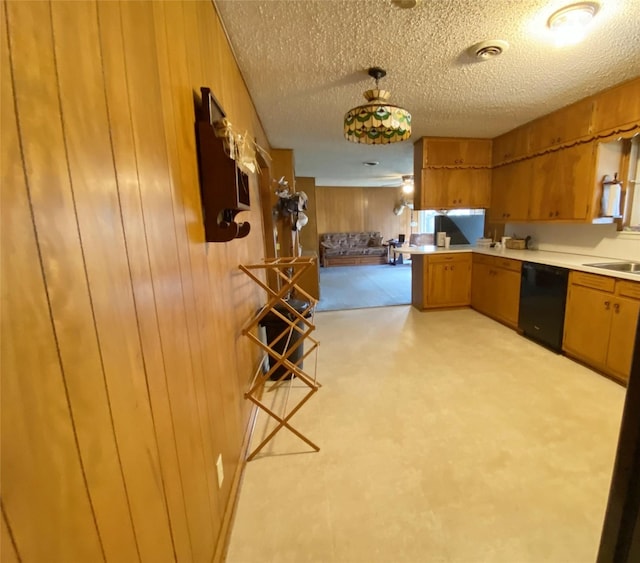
(377, 122)
(569, 25)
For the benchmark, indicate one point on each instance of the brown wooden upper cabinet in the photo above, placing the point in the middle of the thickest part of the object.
(617, 107)
(611, 111)
(452, 173)
(562, 184)
(510, 189)
(562, 126)
(511, 145)
(453, 188)
(453, 153)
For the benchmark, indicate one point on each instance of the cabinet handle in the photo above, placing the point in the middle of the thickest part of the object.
(557, 213)
(452, 267)
(616, 307)
(508, 214)
(550, 213)
(607, 305)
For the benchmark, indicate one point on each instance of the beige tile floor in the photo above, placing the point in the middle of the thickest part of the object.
(445, 437)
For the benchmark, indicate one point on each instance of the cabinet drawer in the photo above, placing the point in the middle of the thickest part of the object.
(508, 264)
(628, 289)
(483, 259)
(498, 262)
(592, 280)
(443, 258)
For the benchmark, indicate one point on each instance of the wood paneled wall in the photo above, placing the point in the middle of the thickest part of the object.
(361, 209)
(123, 365)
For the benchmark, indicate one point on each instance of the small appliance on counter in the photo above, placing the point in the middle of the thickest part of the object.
(441, 238)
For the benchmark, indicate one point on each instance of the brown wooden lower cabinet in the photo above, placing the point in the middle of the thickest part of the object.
(495, 288)
(600, 322)
(442, 280)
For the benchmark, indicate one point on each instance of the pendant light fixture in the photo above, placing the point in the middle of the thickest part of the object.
(377, 122)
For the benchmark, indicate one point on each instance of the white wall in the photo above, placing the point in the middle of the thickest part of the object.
(593, 240)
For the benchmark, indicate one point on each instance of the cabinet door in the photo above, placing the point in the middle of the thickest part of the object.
(476, 193)
(617, 107)
(510, 187)
(434, 188)
(562, 184)
(511, 145)
(449, 283)
(564, 125)
(481, 288)
(457, 152)
(624, 321)
(508, 296)
(448, 188)
(586, 324)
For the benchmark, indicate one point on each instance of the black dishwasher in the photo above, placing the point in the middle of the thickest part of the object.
(543, 294)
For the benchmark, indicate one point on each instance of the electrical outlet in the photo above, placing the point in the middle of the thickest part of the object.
(220, 470)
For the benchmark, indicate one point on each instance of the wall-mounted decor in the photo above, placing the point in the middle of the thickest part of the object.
(224, 186)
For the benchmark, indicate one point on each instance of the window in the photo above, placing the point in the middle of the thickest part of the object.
(425, 218)
(631, 213)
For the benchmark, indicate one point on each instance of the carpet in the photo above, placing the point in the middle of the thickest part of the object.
(358, 287)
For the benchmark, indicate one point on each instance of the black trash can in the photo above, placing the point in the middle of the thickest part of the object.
(274, 325)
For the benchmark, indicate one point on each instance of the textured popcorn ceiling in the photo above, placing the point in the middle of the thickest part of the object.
(305, 63)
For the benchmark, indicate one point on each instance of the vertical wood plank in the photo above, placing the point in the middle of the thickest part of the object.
(224, 398)
(340, 209)
(148, 133)
(44, 492)
(183, 185)
(95, 195)
(8, 553)
(117, 93)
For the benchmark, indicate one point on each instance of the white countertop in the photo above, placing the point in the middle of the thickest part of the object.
(560, 259)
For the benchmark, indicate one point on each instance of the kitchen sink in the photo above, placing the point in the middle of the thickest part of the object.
(630, 267)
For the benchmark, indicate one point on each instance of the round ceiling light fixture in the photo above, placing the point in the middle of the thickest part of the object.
(377, 122)
(570, 24)
(489, 49)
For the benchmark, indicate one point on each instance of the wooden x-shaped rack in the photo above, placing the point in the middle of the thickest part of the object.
(298, 325)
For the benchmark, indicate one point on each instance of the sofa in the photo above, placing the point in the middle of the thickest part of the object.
(351, 249)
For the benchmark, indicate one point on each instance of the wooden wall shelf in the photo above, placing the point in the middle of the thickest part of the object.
(224, 187)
